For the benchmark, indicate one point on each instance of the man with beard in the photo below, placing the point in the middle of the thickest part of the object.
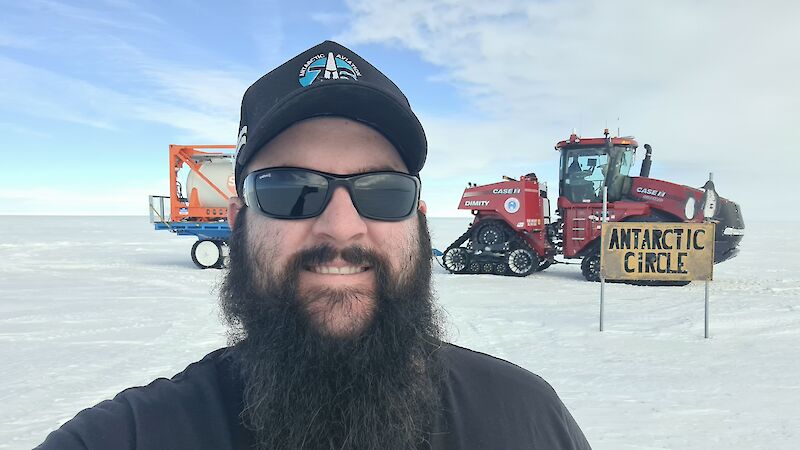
(335, 340)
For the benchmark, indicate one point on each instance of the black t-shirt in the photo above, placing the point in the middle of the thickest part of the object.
(488, 403)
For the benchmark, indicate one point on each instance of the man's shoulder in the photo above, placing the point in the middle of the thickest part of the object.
(197, 377)
(493, 403)
(151, 416)
(486, 370)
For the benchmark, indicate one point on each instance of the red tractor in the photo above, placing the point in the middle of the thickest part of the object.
(512, 233)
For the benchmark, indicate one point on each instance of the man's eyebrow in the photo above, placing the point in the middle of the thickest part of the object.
(362, 169)
(379, 168)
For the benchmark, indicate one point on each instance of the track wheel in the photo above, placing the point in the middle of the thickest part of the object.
(455, 259)
(500, 268)
(489, 233)
(207, 254)
(522, 262)
(590, 266)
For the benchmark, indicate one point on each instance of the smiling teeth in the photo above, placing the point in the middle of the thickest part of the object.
(338, 270)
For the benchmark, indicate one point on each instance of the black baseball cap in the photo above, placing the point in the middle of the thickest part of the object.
(327, 80)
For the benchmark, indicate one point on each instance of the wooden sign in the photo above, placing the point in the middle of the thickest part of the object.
(658, 251)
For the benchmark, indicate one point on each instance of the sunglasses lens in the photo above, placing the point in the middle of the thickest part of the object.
(291, 193)
(385, 196)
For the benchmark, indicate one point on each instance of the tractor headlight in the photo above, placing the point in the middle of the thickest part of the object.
(710, 205)
(688, 209)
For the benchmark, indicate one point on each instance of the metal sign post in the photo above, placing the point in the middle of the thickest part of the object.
(707, 309)
(711, 179)
(602, 277)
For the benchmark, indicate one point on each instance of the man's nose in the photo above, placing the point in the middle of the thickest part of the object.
(340, 222)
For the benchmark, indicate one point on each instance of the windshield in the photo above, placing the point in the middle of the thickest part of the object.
(626, 159)
(584, 172)
(622, 160)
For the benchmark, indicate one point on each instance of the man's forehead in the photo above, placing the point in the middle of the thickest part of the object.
(266, 161)
(330, 144)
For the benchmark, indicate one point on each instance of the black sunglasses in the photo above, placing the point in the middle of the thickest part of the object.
(297, 193)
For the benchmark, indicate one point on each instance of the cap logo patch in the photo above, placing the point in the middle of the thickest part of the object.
(323, 67)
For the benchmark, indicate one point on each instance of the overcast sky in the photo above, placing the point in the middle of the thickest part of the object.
(93, 92)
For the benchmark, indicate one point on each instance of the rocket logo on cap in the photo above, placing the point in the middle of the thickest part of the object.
(328, 67)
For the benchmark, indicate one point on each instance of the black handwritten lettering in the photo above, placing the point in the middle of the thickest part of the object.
(625, 238)
(636, 232)
(695, 243)
(664, 241)
(645, 244)
(678, 237)
(614, 241)
(628, 268)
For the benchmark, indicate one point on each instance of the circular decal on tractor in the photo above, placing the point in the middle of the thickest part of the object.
(511, 205)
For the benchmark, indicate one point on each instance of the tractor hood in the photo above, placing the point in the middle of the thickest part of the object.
(694, 205)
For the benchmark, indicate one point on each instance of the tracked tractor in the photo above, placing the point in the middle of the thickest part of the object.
(512, 232)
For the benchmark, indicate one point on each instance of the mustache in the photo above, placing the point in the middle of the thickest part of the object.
(324, 253)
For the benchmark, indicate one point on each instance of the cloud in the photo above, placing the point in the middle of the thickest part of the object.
(115, 65)
(9, 127)
(71, 200)
(10, 40)
(712, 85)
(100, 69)
(555, 62)
(208, 89)
(332, 20)
(42, 93)
(132, 20)
(27, 89)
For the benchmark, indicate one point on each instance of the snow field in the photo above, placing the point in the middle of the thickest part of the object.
(92, 305)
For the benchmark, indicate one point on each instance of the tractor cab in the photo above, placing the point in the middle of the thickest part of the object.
(589, 164)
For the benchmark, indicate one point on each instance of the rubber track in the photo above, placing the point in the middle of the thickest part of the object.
(514, 243)
(461, 239)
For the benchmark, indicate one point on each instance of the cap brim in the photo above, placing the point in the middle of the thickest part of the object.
(351, 99)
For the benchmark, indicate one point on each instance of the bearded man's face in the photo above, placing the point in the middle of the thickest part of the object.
(332, 317)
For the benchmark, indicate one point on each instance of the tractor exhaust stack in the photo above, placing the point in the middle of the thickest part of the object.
(645, 172)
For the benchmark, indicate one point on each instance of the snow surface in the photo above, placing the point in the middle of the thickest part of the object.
(92, 305)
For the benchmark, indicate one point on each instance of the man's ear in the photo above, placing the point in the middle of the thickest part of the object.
(423, 208)
(235, 204)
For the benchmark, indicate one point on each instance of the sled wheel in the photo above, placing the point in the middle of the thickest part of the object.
(500, 268)
(474, 267)
(489, 233)
(590, 266)
(522, 262)
(487, 268)
(226, 255)
(455, 259)
(207, 254)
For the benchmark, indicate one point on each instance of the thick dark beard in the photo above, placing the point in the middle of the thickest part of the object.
(304, 389)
